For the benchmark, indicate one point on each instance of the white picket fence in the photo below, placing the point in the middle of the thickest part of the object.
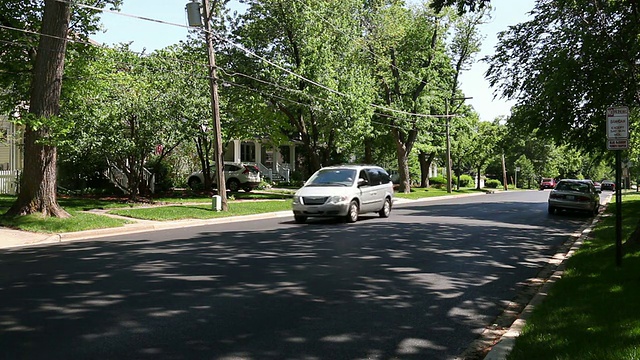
(9, 182)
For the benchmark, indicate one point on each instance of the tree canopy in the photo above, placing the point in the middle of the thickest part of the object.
(569, 64)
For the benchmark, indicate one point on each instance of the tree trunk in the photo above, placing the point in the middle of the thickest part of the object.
(425, 163)
(458, 173)
(403, 168)
(368, 150)
(38, 181)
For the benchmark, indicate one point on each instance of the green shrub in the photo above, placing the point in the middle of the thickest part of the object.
(492, 183)
(162, 173)
(437, 180)
(465, 180)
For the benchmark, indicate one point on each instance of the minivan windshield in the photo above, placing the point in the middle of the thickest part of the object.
(332, 177)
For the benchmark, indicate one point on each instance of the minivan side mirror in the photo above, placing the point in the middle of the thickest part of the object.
(362, 182)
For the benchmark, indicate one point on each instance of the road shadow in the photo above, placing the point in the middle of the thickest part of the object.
(376, 289)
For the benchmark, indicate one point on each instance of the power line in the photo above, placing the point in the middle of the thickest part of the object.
(247, 51)
(242, 48)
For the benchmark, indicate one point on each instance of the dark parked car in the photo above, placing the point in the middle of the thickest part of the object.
(608, 185)
(572, 194)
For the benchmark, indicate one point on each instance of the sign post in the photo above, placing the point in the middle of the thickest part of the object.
(617, 140)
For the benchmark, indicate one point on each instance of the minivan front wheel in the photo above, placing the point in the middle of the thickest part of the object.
(386, 209)
(352, 214)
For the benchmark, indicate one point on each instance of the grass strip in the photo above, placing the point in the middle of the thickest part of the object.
(179, 212)
(592, 311)
(420, 193)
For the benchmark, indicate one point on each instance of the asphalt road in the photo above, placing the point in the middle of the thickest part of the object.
(422, 284)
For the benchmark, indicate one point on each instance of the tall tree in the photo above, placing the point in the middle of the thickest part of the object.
(133, 105)
(40, 71)
(567, 65)
(312, 81)
(461, 5)
(410, 66)
(484, 146)
(38, 180)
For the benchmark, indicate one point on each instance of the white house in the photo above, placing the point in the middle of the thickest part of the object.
(10, 157)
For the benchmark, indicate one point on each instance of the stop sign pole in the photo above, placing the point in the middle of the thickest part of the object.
(618, 140)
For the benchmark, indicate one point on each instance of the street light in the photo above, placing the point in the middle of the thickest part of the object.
(446, 111)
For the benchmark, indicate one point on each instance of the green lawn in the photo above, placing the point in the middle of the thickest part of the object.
(178, 212)
(592, 312)
(81, 220)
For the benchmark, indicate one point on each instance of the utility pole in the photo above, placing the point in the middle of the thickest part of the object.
(504, 174)
(446, 112)
(207, 12)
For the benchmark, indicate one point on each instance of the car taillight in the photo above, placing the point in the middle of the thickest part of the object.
(583, 198)
(250, 169)
(554, 196)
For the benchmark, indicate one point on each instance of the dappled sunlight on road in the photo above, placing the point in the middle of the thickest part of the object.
(323, 290)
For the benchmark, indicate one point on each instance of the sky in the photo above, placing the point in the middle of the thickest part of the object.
(152, 35)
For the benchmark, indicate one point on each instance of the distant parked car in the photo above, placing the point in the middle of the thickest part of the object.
(547, 183)
(608, 185)
(344, 191)
(572, 194)
(598, 186)
(237, 176)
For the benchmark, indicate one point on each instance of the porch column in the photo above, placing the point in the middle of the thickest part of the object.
(277, 159)
(236, 151)
(258, 152)
(292, 156)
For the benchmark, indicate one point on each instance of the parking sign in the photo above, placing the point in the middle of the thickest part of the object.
(618, 128)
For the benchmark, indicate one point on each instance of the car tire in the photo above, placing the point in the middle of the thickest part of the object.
(193, 182)
(386, 209)
(596, 209)
(552, 210)
(299, 219)
(233, 185)
(353, 212)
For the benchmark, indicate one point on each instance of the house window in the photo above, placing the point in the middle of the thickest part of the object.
(247, 152)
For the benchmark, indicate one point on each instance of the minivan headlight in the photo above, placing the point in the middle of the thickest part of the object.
(296, 199)
(337, 199)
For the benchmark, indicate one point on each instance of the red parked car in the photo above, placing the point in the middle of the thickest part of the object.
(547, 183)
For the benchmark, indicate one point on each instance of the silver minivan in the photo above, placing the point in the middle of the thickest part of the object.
(344, 191)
